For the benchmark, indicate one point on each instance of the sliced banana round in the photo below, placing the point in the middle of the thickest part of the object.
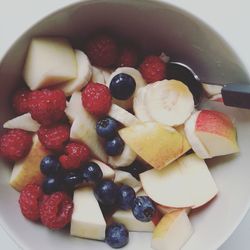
(122, 115)
(84, 73)
(139, 105)
(169, 102)
(126, 158)
(140, 82)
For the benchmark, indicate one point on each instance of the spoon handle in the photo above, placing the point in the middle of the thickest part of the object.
(236, 95)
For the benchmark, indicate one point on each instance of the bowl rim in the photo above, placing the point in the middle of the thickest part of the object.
(178, 7)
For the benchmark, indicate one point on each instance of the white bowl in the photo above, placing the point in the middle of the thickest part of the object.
(156, 27)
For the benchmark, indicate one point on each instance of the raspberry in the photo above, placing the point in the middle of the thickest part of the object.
(153, 69)
(128, 57)
(56, 210)
(96, 99)
(47, 106)
(75, 154)
(54, 137)
(15, 144)
(102, 50)
(29, 201)
(20, 101)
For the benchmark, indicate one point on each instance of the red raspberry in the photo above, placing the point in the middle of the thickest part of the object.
(20, 101)
(54, 137)
(75, 154)
(128, 57)
(96, 99)
(56, 210)
(153, 69)
(102, 50)
(29, 201)
(15, 144)
(47, 106)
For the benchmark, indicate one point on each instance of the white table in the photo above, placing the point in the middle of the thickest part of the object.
(17, 15)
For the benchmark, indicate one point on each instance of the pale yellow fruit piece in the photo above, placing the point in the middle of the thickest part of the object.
(28, 170)
(87, 219)
(157, 144)
(172, 232)
(50, 60)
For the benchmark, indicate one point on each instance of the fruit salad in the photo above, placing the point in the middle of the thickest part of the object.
(107, 142)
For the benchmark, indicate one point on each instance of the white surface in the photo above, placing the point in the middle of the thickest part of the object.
(16, 16)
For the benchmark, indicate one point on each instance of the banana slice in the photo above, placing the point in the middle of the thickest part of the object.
(100, 75)
(169, 102)
(123, 116)
(126, 158)
(84, 73)
(128, 104)
(139, 104)
(193, 139)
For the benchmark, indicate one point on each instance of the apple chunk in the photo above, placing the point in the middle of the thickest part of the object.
(186, 182)
(83, 127)
(24, 122)
(49, 61)
(28, 169)
(87, 219)
(216, 132)
(172, 232)
(157, 144)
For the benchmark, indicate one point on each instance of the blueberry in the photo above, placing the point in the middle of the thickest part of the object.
(106, 192)
(50, 185)
(71, 180)
(114, 146)
(143, 208)
(107, 127)
(122, 86)
(91, 173)
(126, 196)
(135, 169)
(116, 235)
(50, 166)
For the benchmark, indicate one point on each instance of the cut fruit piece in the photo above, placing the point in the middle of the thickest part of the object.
(123, 177)
(24, 122)
(74, 107)
(83, 127)
(216, 132)
(193, 139)
(139, 105)
(169, 102)
(126, 158)
(157, 144)
(186, 144)
(28, 169)
(84, 131)
(100, 75)
(49, 61)
(122, 115)
(167, 210)
(128, 104)
(131, 223)
(108, 172)
(84, 73)
(87, 219)
(186, 182)
(172, 232)
(211, 90)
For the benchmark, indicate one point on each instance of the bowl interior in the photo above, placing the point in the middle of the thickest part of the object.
(156, 27)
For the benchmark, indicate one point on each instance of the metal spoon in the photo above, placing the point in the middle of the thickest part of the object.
(234, 95)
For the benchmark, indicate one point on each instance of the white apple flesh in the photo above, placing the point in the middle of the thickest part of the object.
(186, 182)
